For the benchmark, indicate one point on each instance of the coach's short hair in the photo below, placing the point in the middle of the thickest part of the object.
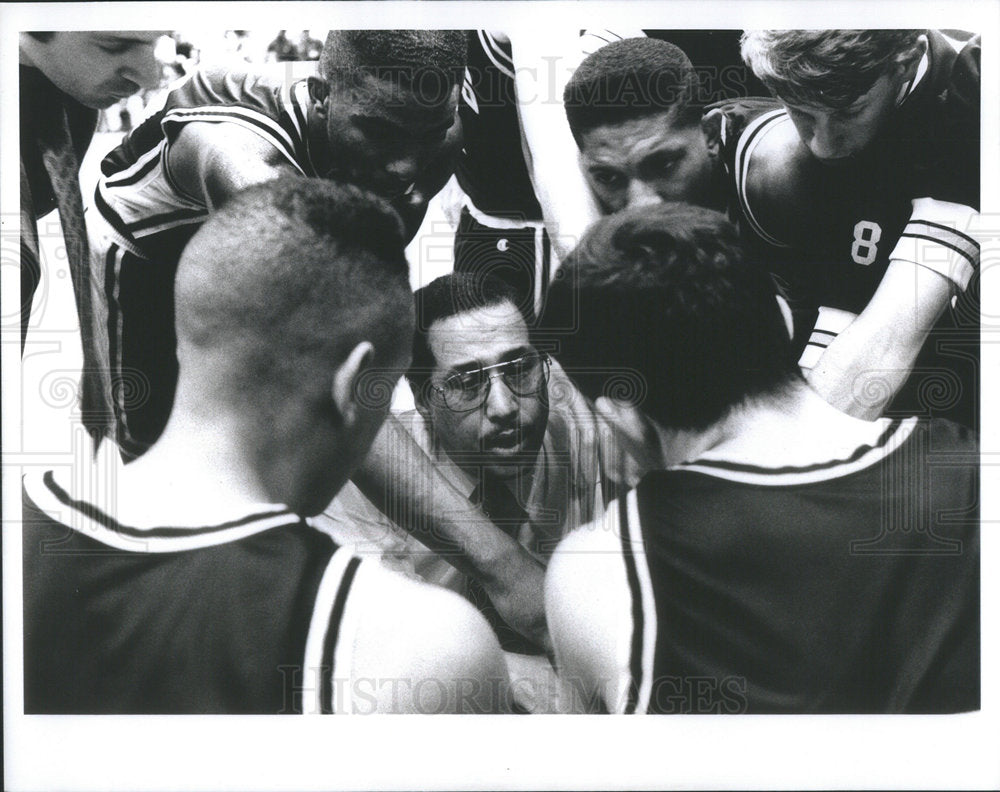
(629, 79)
(658, 305)
(446, 296)
(429, 62)
(825, 67)
(287, 277)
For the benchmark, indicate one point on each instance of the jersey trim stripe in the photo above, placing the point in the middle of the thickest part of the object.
(293, 102)
(635, 666)
(116, 225)
(496, 54)
(649, 623)
(948, 231)
(643, 645)
(894, 435)
(112, 285)
(168, 219)
(745, 146)
(96, 524)
(143, 166)
(268, 129)
(331, 640)
(973, 259)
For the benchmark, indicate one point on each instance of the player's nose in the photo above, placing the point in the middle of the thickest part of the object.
(142, 68)
(403, 168)
(826, 140)
(641, 193)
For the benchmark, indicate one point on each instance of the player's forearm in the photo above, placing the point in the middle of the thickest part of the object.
(401, 480)
(860, 372)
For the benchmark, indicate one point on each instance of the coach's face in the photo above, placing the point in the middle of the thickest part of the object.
(647, 160)
(97, 69)
(493, 419)
(378, 134)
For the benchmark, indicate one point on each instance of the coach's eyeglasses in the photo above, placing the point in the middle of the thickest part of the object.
(468, 390)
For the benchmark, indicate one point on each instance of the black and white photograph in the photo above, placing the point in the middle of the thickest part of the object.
(487, 360)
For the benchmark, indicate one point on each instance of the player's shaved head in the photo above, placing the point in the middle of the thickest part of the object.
(825, 67)
(286, 278)
(426, 61)
(659, 306)
(631, 79)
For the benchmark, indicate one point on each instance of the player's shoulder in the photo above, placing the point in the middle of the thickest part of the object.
(428, 637)
(779, 184)
(950, 437)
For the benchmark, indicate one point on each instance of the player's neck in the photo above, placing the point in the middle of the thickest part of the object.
(797, 428)
(198, 464)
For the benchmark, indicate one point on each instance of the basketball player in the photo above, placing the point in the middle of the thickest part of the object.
(191, 581)
(881, 191)
(381, 114)
(792, 210)
(779, 555)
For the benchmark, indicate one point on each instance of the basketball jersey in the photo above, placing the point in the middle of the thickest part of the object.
(850, 586)
(241, 616)
(491, 169)
(910, 195)
(148, 214)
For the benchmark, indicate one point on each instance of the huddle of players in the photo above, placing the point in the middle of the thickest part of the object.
(754, 550)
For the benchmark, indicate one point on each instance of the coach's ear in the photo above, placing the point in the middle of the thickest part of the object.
(711, 128)
(319, 91)
(348, 391)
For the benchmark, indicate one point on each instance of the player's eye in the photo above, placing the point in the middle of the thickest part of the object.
(607, 178)
(113, 49)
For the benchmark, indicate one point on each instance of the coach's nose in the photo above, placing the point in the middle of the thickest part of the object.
(501, 402)
(641, 193)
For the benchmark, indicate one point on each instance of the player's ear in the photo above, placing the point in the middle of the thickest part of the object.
(908, 62)
(711, 128)
(624, 416)
(348, 390)
(319, 90)
(786, 314)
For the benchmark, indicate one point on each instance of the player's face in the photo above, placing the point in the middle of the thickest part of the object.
(381, 136)
(833, 134)
(506, 430)
(647, 160)
(97, 69)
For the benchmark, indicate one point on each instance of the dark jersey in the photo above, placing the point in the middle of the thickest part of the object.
(491, 169)
(145, 219)
(831, 231)
(857, 215)
(233, 617)
(850, 586)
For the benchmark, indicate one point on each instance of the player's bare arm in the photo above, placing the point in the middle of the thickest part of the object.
(454, 665)
(872, 356)
(399, 478)
(210, 162)
(543, 64)
(588, 609)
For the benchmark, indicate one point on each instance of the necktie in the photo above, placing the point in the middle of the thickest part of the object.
(63, 168)
(502, 507)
